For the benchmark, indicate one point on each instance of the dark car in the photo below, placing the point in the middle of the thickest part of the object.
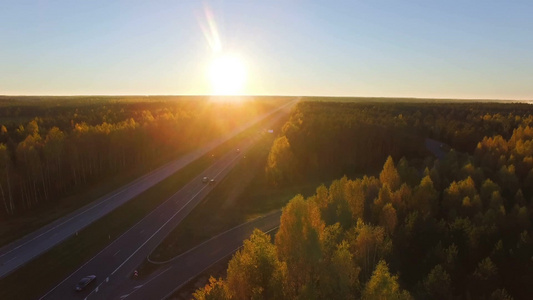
(84, 282)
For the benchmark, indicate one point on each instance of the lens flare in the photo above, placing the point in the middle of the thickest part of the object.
(210, 31)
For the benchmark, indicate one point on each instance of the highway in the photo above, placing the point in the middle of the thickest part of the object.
(115, 263)
(180, 270)
(19, 252)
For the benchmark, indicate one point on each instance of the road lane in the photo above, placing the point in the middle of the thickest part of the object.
(19, 252)
(180, 270)
(436, 148)
(116, 262)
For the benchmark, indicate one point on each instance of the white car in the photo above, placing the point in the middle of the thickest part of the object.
(205, 179)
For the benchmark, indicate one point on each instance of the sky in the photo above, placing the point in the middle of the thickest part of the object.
(374, 48)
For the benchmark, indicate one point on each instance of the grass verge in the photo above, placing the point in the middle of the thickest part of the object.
(19, 226)
(243, 195)
(50, 268)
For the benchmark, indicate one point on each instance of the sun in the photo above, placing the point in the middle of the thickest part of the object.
(228, 75)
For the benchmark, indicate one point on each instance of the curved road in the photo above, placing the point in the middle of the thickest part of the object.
(115, 263)
(18, 253)
(180, 270)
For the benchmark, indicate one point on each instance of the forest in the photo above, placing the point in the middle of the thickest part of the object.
(396, 222)
(51, 147)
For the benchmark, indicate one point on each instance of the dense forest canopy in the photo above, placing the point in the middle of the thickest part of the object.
(52, 146)
(418, 227)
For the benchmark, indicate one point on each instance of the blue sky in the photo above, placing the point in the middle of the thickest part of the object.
(444, 49)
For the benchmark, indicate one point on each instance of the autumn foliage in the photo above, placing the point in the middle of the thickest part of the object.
(70, 143)
(458, 227)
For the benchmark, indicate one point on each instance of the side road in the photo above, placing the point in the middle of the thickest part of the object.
(178, 271)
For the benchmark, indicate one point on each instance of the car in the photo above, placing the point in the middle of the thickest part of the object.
(84, 282)
(205, 179)
(212, 181)
(238, 150)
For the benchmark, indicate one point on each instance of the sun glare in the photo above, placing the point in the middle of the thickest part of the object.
(228, 75)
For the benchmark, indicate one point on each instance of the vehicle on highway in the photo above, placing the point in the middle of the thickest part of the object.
(205, 179)
(212, 181)
(238, 150)
(84, 282)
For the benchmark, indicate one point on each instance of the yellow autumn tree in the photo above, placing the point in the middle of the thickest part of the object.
(389, 175)
(298, 242)
(383, 286)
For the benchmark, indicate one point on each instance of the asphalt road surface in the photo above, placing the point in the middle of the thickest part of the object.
(437, 148)
(180, 270)
(18, 253)
(115, 263)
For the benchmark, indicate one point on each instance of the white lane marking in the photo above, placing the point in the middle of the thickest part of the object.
(138, 286)
(116, 254)
(10, 260)
(157, 231)
(215, 237)
(146, 283)
(153, 211)
(191, 278)
(128, 231)
(114, 241)
(170, 219)
(124, 296)
(105, 200)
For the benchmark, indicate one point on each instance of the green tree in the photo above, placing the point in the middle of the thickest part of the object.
(382, 285)
(437, 285)
(424, 197)
(280, 162)
(459, 196)
(339, 276)
(485, 275)
(331, 237)
(5, 182)
(298, 242)
(500, 294)
(487, 188)
(408, 174)
(255, 271)
(54, 151)
(368, 245)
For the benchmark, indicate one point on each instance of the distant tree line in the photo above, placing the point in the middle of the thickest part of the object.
(326, 140)
(63, 148)
(456, 228)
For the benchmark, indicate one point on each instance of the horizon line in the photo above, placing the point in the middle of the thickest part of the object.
(264, 95)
